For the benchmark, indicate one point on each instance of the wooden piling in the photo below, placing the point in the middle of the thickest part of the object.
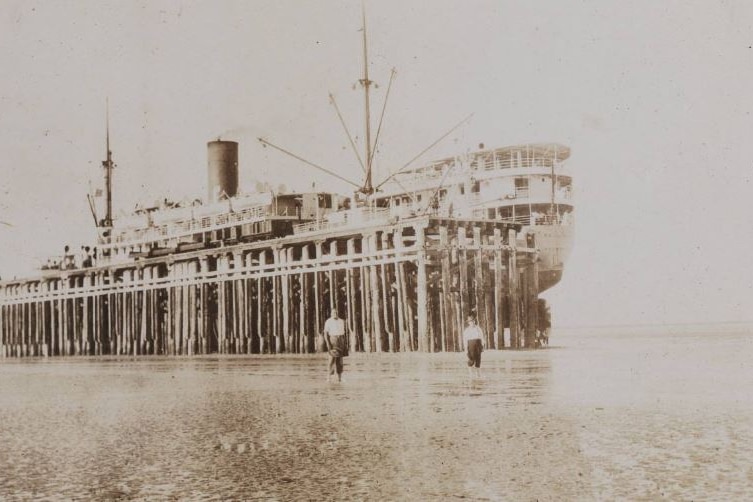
(421, 296)
(515, 341)
(499, 322)
(350, 293)
(464, 306)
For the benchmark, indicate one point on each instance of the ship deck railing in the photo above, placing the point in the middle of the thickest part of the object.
(341, 219)
(478, 162)
(175, 230)
(560, 220)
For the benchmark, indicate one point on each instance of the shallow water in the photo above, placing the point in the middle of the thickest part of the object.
(639, 414)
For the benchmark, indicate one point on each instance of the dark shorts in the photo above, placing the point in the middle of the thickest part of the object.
(338, 346)
(474, 353)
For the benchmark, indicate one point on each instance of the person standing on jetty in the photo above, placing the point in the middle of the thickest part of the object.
(472, 338)
(337, 344)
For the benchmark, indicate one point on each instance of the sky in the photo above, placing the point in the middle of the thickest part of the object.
(653, 98)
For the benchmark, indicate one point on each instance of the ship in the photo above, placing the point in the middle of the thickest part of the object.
(405, 259)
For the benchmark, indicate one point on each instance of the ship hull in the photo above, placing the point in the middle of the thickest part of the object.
(554, 244)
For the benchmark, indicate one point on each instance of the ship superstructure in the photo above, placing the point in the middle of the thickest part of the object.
(527, 184)
(227, 218)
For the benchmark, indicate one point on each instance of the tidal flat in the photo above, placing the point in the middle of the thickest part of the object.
(602, 414)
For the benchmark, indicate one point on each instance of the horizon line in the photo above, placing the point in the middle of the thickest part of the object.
(650, 324)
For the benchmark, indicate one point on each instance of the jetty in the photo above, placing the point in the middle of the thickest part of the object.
(403, 285)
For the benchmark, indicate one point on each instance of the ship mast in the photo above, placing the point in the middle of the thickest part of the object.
(108, 165)
(367, 188)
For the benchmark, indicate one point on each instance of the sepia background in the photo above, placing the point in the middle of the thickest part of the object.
(652, 97)
(654, 100)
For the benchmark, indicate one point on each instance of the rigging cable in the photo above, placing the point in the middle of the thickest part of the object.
(422, 152)
(267, 143)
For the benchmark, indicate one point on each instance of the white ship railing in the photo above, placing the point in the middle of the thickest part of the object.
(343, 219)
(174, 230)
(479, 162)
(540, 220)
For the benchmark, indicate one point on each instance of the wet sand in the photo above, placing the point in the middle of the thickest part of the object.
(621, 416)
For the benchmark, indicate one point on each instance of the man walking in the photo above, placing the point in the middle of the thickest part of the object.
(472, 338)
(337, 344)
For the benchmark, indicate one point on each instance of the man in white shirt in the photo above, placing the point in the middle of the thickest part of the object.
(474, 345)
(337, 344)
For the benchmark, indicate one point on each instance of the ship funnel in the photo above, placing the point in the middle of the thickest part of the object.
(222, 170)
